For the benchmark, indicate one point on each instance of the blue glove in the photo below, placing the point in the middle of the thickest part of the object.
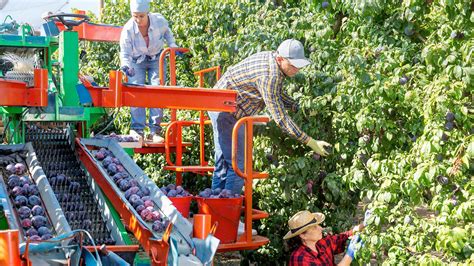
(367, 215)
(180, 54)
(128, 71)
(354, 246)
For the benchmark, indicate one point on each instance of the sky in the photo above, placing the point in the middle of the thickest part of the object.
(29, 11)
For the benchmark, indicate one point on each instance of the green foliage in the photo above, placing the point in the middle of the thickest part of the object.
(384, 76)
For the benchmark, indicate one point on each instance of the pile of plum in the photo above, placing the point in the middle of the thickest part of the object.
(29, 207)
(174, 191)
(119, 138)
(138, 196)
(218, 194)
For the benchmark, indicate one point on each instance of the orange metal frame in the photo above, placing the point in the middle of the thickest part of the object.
(17, 93)
(123, 94)
(246, 240)
(174, 133)
(95, 32)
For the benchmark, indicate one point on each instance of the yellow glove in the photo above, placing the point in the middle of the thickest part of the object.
(320, 147)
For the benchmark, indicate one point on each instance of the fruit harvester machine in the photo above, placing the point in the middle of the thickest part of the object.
(49, 110)
(66, 207)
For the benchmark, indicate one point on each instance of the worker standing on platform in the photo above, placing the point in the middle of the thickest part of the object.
(258, 81)
(141, 42)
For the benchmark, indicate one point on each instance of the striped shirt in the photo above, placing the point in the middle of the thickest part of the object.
(133, 47)
(258, 81)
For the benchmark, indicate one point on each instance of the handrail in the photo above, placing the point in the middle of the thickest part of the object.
(248, 175)
(172, 51)
(249, 122)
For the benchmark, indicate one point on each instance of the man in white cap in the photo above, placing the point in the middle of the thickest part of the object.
(142, 39)
(258, 80)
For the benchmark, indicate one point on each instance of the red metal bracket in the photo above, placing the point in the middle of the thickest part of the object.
(95, 32)
(17, 93)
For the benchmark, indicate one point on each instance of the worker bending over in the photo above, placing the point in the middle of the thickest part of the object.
(258, 81)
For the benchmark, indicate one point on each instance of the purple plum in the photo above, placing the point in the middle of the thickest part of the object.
(34, 200)
(18, 191)
(145, 191)
(148, 203)
(37, 210)
(31, 232)
(140, 208)
(26, 223)
(24, 180)
(172, 193)
(35, 238)
(13, 182)
(43, 230)
(20, 201)
(38, 221)
(33, 190)
(24, 212)
(158, 226)
(20, 168)
(124, 185)
(11, 168)
(46, 237)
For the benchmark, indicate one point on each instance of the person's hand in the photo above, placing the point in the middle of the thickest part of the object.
(320, 147)
(367, 215)
(354, 246)
(129, 71)
(295, 108)
(180, 54)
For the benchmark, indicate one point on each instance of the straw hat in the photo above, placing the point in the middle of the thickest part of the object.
(302, 221)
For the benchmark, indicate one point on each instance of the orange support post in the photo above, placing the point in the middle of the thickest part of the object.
(9, 248)
(247, 241)
(17, 93)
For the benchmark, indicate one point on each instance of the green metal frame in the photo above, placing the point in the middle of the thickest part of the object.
(67, 106)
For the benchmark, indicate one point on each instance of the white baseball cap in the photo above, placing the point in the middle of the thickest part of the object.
(293, 50)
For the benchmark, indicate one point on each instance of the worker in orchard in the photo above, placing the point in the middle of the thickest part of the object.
(258, 81)
(309, 247)
(141, 42)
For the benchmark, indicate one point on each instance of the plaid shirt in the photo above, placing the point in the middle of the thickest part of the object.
(133, 46)
(326, 247)
(258, 81)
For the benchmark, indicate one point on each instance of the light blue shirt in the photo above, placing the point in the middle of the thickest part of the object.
(133, 46)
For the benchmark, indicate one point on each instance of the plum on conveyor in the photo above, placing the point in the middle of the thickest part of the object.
(28, 204)
(69, 183)
(138, 196)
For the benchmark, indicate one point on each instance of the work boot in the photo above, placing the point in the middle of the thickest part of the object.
(155, 138)
(136, 134)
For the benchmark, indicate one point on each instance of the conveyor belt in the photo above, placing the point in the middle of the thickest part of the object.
(69, 181)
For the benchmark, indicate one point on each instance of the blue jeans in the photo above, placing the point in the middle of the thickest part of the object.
(224, 175)
(146, 71)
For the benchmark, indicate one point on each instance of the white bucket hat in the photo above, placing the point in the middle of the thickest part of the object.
(139, 5)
